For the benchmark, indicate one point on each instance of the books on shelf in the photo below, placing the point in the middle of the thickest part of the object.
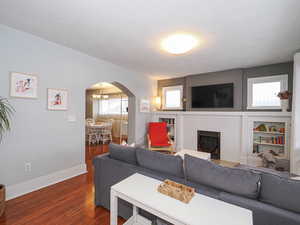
(268, 132)
(275, 140)
(278, 140)
(270, 136)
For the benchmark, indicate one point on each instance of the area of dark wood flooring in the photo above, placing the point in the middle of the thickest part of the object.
(70, 202)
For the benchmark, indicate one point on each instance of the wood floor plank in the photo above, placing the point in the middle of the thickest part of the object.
(70, 202)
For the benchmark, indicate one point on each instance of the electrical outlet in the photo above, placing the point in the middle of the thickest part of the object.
(27, 167)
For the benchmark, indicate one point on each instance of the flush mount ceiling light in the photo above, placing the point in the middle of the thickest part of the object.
(179, 43)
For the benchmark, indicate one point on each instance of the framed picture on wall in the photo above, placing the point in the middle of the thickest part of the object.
(145, 105)
(57, 99)
(23, 85)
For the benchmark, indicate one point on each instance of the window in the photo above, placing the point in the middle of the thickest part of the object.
(113, 106)
(172, 97)
(262, 91)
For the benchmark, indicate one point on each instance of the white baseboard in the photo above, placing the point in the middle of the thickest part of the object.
(244, 160)
(16, 190)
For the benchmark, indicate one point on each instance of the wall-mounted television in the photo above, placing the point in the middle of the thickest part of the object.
(213, 96)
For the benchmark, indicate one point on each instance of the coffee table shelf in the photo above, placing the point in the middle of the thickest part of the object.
(138, 220)
(141, 192)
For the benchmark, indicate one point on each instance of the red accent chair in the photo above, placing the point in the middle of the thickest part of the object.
(158, 137)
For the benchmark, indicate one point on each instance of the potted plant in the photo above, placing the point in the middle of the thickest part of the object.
(6, 111)
(284, 97)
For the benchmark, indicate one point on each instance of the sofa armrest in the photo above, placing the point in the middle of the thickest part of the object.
(99, 158)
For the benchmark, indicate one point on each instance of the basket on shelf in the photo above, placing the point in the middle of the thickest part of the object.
(2, 199)
(175, 190)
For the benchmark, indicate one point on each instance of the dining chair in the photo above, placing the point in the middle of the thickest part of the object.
(105, 134)
(89, 121)
(91, 135)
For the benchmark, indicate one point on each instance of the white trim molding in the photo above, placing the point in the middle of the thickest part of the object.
(172, 88)
(283, 79)
(295, 142)
(16, 190)
(224, 113)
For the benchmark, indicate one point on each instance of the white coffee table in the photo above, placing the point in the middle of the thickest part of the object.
(295, 178)
(197, 154)
(141, 192)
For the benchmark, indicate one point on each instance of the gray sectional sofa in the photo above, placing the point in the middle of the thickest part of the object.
(274, 200)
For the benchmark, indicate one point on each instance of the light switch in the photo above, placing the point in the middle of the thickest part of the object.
(71, 118)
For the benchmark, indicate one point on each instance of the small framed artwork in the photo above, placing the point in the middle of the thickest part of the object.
(57, 99)
(23, 85)
(144, 105)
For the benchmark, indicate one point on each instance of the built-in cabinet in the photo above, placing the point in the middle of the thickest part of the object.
(241, 139)
(268, 134)
(171, 125)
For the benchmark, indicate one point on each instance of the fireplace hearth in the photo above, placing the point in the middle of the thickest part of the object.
(209, 141)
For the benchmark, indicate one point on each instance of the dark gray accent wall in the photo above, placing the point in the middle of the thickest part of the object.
(229, 76)
(236, 76)
(268, 70)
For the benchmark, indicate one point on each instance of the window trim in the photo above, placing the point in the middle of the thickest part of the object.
(112, 114)
(170, 88)
(282, 78)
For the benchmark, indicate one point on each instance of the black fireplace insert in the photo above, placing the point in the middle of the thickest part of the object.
(209, 141)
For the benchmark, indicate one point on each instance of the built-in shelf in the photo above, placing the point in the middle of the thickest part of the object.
(171, 125)
(270, 135)
(266, 132)
(279, 156)
(270, 144)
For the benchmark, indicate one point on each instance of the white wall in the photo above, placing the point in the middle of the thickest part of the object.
(45, 138)
(295, 150)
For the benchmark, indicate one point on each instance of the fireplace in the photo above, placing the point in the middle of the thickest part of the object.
(209, 141)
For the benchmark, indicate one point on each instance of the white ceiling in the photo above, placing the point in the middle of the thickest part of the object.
(234, 33)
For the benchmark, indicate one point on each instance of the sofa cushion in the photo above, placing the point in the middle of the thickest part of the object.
(232, 180)
(263, 213)
(204, 190)
(160, 162)
(280, 191)
(123, 153)
(159, 175)
(264, 170)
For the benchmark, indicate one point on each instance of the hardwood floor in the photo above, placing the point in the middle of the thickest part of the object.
(226, 163)
(70, 202)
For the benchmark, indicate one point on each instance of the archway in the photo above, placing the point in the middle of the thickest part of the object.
(112, 92)
(131, 111)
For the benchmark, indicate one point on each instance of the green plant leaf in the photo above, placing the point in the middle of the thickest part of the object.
(6, 112)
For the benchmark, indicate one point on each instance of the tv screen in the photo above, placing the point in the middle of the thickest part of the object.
(213, 96)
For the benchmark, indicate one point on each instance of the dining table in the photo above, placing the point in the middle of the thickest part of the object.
(97, 125)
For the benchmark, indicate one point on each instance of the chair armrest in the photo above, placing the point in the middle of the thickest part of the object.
(149, 141)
